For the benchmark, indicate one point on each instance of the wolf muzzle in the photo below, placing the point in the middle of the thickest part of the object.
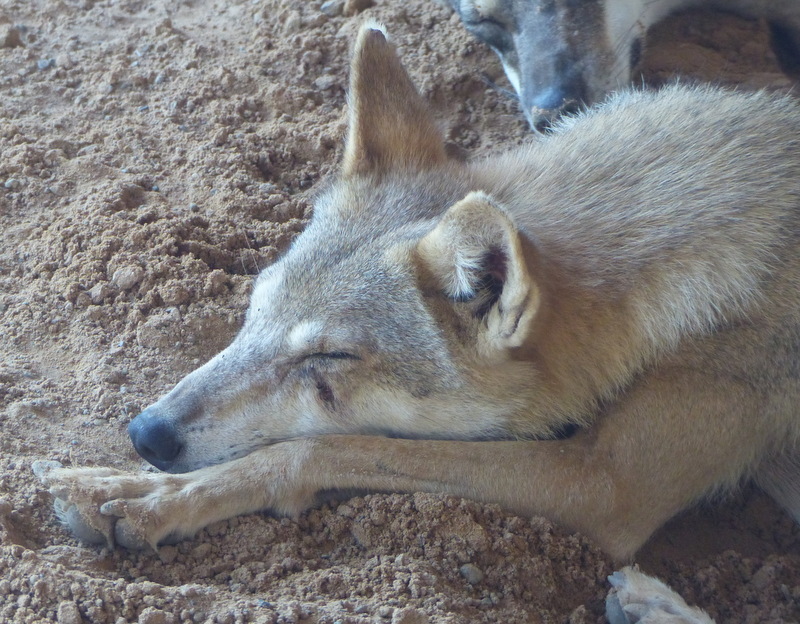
(155, 439)
(543, 101)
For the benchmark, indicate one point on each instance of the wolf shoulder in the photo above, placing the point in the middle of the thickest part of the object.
(694, 191)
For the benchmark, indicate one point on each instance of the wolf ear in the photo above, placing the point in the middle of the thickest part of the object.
(390, 125)
(475, 253)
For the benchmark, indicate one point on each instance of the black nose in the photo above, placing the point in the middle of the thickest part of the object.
(547, 105)
(155, 439)
(544, 112)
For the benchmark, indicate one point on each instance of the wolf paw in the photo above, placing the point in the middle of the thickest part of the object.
(104, 505)
(636, 598)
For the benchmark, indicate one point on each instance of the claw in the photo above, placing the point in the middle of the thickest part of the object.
(85, 532)
(128, 537)
(126, 534)
(59, 492)
(615, 613)
(104, 505)
(617, 578)
(116, 508)
(72, 509)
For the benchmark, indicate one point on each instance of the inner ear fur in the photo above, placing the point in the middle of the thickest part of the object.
(475, 251)
(390, 125)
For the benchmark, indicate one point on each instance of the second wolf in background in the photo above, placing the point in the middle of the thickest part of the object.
(562, 54)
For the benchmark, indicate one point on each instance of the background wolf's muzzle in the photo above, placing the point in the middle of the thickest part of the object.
(155, 438)
(542, 106)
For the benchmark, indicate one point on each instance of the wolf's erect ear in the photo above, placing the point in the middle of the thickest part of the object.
(390, 125)
(475, 253)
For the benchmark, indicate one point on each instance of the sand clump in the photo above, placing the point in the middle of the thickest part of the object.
(153, 157)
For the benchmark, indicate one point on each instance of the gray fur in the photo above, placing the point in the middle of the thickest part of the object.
(563, 54)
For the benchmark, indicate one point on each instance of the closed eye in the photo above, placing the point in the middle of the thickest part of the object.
(333, 355)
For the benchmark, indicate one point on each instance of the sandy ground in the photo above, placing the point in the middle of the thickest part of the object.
(153, 156)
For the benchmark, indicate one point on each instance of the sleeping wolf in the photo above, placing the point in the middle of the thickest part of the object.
(601, 327)
(562, 54)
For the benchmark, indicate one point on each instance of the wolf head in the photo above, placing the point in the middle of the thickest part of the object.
(397, 311)
(562, 54)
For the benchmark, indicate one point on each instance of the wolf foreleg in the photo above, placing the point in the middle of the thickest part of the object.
(665, 443)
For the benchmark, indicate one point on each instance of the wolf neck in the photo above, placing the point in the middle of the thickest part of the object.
(585, 345)
(611, 305)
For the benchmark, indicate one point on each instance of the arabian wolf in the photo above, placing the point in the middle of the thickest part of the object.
(562, 54)
(601, 327)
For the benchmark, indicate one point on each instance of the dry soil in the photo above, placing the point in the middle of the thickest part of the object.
(154, 155)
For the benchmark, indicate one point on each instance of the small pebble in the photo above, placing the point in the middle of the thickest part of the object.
(68, 613)
(13, 184)
(100, 292)
(127, 277)
(151, 615)
(293, 23)
(471, 573)
(409, 615)
(332, 8)
(764, 577)
(201, 551)
(11, 37)
(43, 64)
(65, 61)
(326, 82)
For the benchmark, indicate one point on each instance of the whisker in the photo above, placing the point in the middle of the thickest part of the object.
(491, 83)
(252, 252)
